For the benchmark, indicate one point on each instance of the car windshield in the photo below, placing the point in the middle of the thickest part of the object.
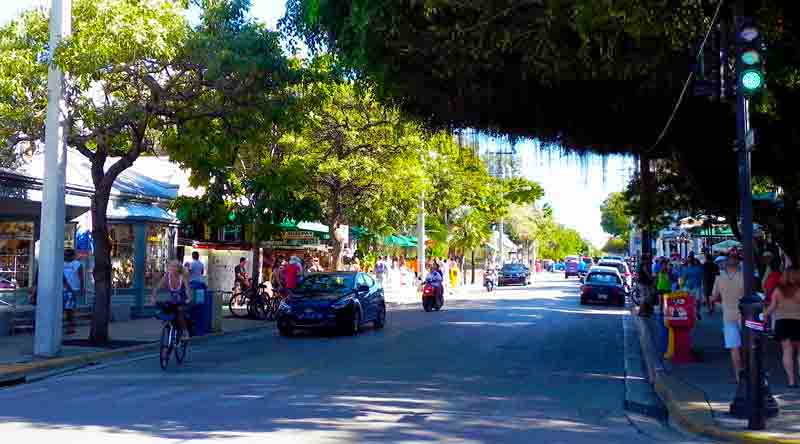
(617, 265)
(318, 284)
(602, 278)
(587, 260)
(513, 267)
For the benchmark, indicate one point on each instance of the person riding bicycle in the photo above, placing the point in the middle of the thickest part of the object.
(241, 277)
(174, 282)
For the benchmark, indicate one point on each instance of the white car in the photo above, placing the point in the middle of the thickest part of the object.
(622, 267)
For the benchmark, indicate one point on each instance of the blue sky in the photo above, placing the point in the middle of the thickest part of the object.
(574, 189)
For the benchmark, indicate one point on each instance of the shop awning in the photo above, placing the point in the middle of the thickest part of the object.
(121, 210)
(396, 240)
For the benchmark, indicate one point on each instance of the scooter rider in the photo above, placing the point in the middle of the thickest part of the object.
(490, 279)
(435, 278)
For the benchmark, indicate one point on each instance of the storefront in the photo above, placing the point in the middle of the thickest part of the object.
(142, 232)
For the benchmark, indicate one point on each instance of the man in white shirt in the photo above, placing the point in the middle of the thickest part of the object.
(729, 289)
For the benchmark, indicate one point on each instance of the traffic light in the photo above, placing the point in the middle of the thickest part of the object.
(750, 61)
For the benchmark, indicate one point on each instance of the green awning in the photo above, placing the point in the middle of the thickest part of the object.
(396, 240)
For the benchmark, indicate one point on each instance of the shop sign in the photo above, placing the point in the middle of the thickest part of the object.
(298, 235)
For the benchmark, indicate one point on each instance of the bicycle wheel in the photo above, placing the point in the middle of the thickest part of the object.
(259, 308)
(180, 349)
(270, 308)
(166, 346)
(239, 305)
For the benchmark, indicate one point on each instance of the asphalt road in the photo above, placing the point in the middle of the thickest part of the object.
(526, 365)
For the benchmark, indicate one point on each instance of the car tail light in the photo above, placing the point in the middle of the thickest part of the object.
(586, 288)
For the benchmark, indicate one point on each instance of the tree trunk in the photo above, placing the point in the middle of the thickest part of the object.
(255, 273)
(337, 264)
(101, 312)
(644, 203)
(473, 265)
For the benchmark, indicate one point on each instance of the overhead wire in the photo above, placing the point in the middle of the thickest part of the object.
(688, 80)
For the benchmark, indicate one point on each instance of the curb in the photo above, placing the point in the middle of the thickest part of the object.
(687, 405)
(639, 395)
(14, 374)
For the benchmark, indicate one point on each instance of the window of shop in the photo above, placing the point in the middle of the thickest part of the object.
(122, 239)
(231, 233)
(16, 250)
(157, 254)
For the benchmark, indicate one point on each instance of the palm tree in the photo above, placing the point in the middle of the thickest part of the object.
(469, 230)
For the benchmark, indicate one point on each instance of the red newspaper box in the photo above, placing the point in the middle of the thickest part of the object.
(680, 315)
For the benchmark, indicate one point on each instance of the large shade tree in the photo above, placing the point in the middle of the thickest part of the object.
(136, 72)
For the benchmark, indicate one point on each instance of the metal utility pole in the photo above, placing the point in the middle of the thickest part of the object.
(421, 238)
(753, 399)
(49, 309)
(500, 223)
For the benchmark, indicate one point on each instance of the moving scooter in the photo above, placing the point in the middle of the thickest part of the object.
(432, 297)
(490, 280)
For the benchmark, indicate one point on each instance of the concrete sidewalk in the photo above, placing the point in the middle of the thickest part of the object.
(698, 395)
(17, 359)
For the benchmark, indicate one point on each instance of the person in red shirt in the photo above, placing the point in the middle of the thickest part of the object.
(291, 273)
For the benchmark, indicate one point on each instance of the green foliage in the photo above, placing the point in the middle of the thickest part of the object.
(615, 246)
(614, 215)
(469, 231)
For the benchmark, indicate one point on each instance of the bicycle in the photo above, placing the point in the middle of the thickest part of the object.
(170, 340)
(255, 303)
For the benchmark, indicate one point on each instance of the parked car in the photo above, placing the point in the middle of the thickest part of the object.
(572, 268)
(622, 267)
(513, 274)
(603, 285)
(340, 300)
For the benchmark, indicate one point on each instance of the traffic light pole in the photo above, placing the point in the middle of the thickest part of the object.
(756, 415)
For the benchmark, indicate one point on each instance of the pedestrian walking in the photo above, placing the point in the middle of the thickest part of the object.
(315, 266)
(710, 272)
(646, 283)
(729, 290)
(381, 271)
(73, 287)
(692, 277)
(785, 308)
(197, 272)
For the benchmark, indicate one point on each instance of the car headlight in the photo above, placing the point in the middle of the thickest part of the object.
(343, 302)
(284, 307)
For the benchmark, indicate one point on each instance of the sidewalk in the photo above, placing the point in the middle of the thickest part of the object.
(698, 395)
(17, 359)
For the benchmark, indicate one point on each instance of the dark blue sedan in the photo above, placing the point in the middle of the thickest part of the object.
(340, 300)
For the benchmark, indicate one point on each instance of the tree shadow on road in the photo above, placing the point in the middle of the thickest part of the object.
(500, 371)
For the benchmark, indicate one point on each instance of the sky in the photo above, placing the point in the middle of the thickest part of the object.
(574, 189)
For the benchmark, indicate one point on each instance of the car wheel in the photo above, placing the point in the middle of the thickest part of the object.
(355, 325)
(285, 330)
(583, 301)
(380, 320)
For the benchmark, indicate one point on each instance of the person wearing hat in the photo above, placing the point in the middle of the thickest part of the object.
(728, 290)
(73, 287)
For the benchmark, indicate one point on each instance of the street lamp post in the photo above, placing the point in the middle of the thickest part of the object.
(47, 341)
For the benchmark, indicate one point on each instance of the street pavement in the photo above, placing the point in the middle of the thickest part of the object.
(522, 365)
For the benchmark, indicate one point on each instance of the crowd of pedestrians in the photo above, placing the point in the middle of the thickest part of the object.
(719, 283)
